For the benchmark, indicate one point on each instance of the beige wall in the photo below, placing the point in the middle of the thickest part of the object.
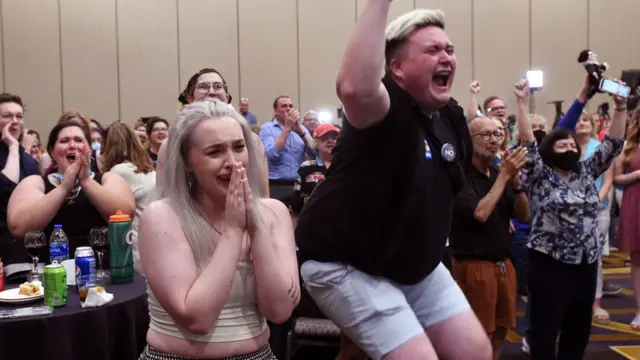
(121, 59)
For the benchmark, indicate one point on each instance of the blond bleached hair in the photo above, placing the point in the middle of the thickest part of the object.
(397, 31)
(178, 186)
(402, 26)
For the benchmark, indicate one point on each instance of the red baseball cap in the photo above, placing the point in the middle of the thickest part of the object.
(324, 128)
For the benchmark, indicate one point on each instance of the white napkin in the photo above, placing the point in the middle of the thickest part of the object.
(95, 299)
(70, 267)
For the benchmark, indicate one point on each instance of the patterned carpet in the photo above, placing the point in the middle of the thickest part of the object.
(614, 341)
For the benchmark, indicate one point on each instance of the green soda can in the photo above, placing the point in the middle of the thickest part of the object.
(55, 285)
(120, 250)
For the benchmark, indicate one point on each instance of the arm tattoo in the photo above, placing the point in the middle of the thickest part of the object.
(294, 292)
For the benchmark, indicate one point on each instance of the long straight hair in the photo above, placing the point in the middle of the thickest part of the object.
(122, 145)
(174, 179)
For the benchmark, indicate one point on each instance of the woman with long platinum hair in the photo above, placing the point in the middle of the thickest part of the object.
(218, 258)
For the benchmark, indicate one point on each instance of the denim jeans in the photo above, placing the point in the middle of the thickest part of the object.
(520, 258)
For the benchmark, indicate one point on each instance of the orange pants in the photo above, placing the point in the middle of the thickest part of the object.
(490, 291)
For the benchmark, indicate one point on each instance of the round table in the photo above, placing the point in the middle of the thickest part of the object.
(116, 331)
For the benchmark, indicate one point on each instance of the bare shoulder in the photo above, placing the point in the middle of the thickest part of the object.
(278, 210)
(32, 182)
(275, 205)
(159, 210)
(111, 176)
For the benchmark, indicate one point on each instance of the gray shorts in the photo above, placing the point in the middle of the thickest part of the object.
(376, 313)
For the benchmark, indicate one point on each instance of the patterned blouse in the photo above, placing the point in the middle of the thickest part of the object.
(564, 213)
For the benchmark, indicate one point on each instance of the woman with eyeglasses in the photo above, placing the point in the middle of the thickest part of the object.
(209, 84)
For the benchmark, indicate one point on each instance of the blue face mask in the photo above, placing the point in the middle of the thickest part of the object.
(96, 146)
(60, 177)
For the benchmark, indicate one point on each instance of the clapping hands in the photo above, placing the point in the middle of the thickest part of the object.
(513, 162)
(292, 122)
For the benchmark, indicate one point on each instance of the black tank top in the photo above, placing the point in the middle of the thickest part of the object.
(77, 215)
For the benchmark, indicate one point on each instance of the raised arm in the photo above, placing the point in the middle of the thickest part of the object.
(525, 131)
(570, 119)
(619, 121)
(472, 110)
(193, 298)
(365, 99)
(534, 166)
(612, 143)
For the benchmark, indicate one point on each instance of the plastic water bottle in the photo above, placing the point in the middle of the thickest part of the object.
(58, 245)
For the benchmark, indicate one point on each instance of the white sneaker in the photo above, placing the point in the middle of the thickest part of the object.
(525, 346)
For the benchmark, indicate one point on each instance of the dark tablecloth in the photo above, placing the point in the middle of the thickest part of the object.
(116, 331)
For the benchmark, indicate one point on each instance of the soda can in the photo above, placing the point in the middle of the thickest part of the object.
(85, 262)
(55, 285)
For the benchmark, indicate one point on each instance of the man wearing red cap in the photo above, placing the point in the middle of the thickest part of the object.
(311, 172)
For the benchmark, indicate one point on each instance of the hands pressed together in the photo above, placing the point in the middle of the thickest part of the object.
(292, 122)
(79, 170)
(240, 212)
(512, 163)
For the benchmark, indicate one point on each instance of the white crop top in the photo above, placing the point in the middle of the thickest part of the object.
(239, 319)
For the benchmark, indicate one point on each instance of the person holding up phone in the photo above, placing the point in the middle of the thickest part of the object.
(564, 200)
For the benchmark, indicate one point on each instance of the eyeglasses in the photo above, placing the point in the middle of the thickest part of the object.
(205, 86)
(486, 135)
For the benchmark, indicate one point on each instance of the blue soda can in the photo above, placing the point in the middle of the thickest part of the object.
(85, 262)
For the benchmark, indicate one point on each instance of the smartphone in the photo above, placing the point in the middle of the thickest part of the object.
(535, 78)
(615, 88)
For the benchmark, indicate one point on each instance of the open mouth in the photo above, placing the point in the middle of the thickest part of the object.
(71, 157)
(225, 179)
(441, 78)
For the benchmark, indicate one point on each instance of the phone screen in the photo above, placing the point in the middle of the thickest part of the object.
(609, 86)
(535, 78)
(623, 91)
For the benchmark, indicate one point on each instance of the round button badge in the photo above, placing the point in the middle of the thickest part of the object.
(448, 152)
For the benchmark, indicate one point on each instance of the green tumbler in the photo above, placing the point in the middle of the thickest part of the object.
(120, 251)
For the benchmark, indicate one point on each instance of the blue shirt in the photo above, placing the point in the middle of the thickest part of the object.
(283, 165)
(28, 167)
(564, 224)
(569, 122)
(251, 119)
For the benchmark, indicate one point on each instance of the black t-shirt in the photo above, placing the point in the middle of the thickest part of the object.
(470, 239)
(385, 204)
(77, 215)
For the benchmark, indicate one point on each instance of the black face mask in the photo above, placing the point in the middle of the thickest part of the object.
(566, 160)
(539, 135)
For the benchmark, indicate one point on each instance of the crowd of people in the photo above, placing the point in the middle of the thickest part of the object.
(233, 221)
